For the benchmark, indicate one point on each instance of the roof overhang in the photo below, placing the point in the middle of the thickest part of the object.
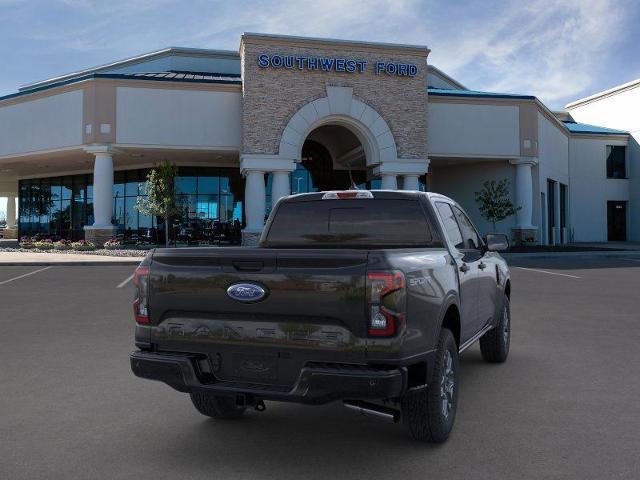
(605, 93)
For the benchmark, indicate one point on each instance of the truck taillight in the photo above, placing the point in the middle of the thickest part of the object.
(141, 299)
(386, 301)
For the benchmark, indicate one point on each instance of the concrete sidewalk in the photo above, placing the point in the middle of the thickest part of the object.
(33, 258)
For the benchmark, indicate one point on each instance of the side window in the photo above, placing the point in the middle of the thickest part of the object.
(450, 224)
(471, 239)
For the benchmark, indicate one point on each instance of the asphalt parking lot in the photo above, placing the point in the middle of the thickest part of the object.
(565, 405)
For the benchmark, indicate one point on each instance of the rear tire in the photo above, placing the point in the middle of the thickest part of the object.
(429, 413)
(494, 345)
(216, 406)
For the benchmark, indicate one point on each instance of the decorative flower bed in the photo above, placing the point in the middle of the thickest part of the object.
(83, 246)
(113, 244)
(26, 242)
(62, 245)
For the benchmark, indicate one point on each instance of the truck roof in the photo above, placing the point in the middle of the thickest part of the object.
(382, 194)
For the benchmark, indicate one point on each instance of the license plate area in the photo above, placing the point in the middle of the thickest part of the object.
(254, 367)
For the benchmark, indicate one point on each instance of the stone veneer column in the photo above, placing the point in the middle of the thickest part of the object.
(102, 228)
(525, 231)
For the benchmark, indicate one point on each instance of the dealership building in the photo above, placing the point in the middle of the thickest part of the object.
(289, 115)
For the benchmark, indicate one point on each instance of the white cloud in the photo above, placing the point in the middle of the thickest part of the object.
(550, 49)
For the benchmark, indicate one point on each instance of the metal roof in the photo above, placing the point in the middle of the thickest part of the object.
(135, 60)
(585, 128)
(445, 92)
(186, 77)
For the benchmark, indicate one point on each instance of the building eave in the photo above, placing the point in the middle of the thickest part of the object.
(115, 76)
(605, 93)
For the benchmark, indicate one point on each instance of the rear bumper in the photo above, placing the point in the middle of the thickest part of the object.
(316, 384)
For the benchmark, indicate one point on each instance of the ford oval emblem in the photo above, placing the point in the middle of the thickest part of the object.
(246, 292)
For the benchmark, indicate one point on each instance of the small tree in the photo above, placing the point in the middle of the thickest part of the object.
(494, 201)
(160, 191)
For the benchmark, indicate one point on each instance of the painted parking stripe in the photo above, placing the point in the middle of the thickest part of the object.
(550, 273)
(25, 275)
(125, 281)
(632, 259)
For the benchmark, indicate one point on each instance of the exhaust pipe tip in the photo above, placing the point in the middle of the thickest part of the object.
(372, 410)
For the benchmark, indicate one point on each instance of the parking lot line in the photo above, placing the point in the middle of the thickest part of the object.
(125, 281)
(25, 275)
(632, 259)
(550, 273)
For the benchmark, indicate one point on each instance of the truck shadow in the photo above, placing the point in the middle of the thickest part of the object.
(299, 440)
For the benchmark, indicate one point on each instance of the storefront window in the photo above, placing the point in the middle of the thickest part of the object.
(59, 207)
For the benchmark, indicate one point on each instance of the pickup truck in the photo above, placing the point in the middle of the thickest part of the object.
(364, 297)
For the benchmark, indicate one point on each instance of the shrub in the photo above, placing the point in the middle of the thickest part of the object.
(113, 244)
(26, 242)
(62, 245)
(83, 245)
(43, 244)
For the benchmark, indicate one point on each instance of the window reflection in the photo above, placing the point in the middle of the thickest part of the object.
(59, 207)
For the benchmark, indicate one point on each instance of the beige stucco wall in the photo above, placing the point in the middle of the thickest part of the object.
(467, 129)
(54, 121)
(178, 117)
(271, 96)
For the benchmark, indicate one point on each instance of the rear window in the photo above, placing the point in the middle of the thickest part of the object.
(351, 223)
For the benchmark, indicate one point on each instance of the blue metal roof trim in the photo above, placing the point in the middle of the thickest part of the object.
(226, 79)
(445, 92)
(585, 128)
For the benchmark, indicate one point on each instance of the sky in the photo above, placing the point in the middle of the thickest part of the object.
(557, 50)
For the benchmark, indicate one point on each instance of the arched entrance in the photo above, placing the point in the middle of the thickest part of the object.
(328, 144)
(332, 158)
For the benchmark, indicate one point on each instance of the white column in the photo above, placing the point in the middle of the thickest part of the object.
(11, 212)
(524, 192)
(279, 186)
(389, 181)
(410, 182)
(254, 199)
(103, 189)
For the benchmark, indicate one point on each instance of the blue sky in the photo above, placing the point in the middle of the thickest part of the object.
(559, 51)
(556, 50)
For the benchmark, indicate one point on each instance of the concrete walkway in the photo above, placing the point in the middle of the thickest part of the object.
(33, 258)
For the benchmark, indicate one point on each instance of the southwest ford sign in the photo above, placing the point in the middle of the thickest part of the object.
(334, 64)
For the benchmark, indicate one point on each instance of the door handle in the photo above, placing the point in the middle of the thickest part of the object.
(464, 268)
(482, 265)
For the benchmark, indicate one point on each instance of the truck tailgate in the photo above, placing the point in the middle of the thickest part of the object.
(313, 310)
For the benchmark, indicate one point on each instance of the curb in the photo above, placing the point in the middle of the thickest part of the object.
(595, 253)
(70, 264)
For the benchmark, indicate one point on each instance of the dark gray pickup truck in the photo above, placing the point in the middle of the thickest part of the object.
(354, 296)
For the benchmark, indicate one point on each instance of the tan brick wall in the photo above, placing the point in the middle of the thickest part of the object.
(271, 96)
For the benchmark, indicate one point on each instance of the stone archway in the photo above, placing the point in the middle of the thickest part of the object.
(340, 108)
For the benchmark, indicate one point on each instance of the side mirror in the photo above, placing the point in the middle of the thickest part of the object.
(497, 242)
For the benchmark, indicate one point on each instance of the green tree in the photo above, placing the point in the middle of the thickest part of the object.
(161, 198)
(494, 201)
